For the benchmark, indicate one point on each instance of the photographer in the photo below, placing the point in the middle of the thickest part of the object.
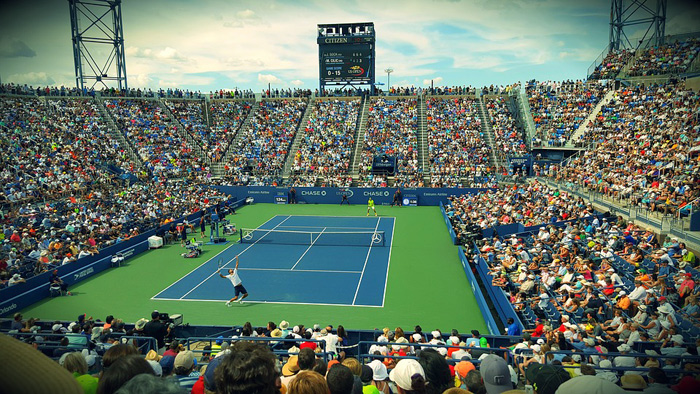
(158, 330)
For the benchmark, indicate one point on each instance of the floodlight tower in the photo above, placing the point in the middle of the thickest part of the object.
(627, 13)
(96, 24)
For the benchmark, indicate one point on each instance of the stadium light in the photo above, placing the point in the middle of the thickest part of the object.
(388, 72)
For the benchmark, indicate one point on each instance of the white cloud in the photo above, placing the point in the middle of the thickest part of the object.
(435, 81)
(167, 53)
(297, 82)
(140, 80)
(269, 78)
(32, 78)
(245, 14)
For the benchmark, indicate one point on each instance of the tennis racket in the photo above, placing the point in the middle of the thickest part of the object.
(220, 265)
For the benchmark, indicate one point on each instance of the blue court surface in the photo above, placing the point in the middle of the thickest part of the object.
(320, 260)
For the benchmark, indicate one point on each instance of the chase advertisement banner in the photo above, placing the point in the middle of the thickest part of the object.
(356, 195)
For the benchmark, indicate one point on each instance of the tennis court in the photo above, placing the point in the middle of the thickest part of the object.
(320, 260)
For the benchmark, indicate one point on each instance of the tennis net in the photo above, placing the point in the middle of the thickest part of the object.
(321, 238)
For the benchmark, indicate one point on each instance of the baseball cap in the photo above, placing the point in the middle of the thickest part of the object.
(167, 363)
(462, 368)
(366, 374)
(588, 384)
(546, 379)
(209, 382)
(496, 375)
(184, 359)
(404, 372)
(379, 372)
(633, 382)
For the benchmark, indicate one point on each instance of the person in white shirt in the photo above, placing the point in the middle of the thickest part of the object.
(237, 285)
(639, 293)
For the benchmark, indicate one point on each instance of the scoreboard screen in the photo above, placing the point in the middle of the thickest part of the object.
(345, 62)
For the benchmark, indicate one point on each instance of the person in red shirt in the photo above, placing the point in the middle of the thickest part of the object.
(15, 237)
(686, 288)
(308, 343)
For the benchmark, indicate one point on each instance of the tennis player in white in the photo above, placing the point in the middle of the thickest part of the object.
(237, 285)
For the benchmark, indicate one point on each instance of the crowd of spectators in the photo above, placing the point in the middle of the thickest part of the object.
(456, 146)
(671, 58)
(39, 237)
(156, 139)
(559, 109)
(643, 138)
(327, 144)
(114, 357)
(508, 133)
(530, 205)
(602, 288)
(287, 93)
(259, 155)
(227, 117)
(54, 148)
(392, 130)
(612, 64)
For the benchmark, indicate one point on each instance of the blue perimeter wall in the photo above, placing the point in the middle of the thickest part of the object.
(356, 195)
(20, 296)
(480, 300)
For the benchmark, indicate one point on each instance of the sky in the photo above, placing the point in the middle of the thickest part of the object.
(224, 44)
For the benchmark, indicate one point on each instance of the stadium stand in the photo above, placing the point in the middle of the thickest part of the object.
(456, 146)
(328, 140)
(642, 160)
(391, 130)
(259, 154)
(595, 294)
(158, 142)
(558, 109)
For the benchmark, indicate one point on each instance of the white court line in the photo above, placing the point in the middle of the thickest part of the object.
(270, 302)
(218, 271)
(329, 227)
(386, 279)
(357, 217)
(288, 270)
(365, 266)
(307, 249)
(197, 267)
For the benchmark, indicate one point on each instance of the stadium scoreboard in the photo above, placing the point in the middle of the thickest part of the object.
(346, 54)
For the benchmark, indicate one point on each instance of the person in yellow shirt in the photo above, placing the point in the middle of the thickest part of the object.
(370, 205)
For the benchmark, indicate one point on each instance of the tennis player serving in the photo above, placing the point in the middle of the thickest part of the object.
(237, 285)
(370, 205)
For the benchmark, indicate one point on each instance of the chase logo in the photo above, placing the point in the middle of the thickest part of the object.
(313, 192)
(376, 194)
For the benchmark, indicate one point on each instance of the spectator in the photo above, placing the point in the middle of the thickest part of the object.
(121, 371)
(308, 382)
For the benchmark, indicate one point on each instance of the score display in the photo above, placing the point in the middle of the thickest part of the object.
(346, 62)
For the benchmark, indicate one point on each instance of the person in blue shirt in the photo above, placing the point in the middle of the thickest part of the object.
(513, 328)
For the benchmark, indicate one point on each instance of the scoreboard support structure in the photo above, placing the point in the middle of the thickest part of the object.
(346, 55)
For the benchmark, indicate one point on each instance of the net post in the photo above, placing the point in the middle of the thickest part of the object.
(240, 233)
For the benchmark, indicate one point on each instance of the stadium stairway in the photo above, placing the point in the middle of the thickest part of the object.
(528, 122)
(218, 168)
(487, 131)
(423, 154)
(360, 131)
(583, 127)
(298, 137)
(118, 134)
(194, 143)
